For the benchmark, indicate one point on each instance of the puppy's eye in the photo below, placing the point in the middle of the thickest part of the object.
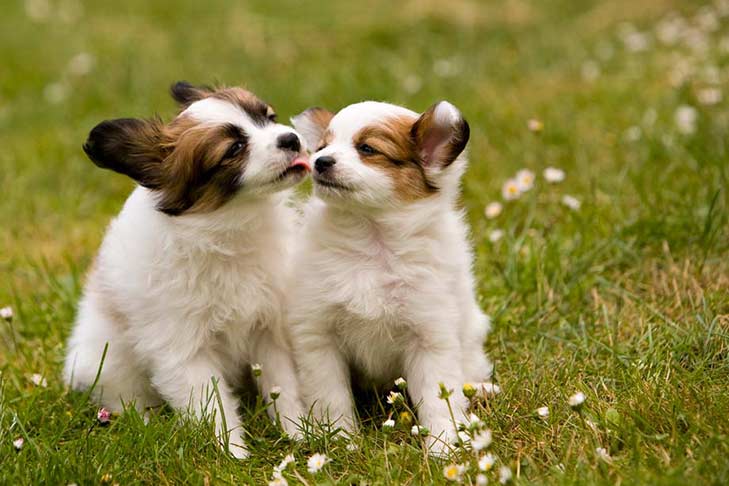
(270, 114)
(366, 149)
(235, 149)
(321, 147)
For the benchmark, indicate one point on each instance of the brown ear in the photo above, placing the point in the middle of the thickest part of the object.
(440, 135)
(185, 93)
(128, 146)
(312, 124)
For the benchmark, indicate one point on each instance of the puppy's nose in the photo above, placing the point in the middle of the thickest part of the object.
(323, 163)
(289, 141)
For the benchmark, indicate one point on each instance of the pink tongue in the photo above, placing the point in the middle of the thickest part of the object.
(301, 161)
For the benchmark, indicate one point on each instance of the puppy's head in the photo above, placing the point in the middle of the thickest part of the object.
(382, 155)
(224, 143)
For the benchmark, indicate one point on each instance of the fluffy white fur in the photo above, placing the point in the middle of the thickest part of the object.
(186, 301)
(385, 288)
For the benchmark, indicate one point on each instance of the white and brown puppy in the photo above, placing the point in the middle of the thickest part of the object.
(387, 263)
(188, 286)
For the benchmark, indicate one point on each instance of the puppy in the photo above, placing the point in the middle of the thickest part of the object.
(188, 286)
(386, 263)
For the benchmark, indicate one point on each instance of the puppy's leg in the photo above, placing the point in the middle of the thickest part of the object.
(188, 385)
(427, 365)
(476, 366)
(121, 379)
(324, 378)
(277, 365)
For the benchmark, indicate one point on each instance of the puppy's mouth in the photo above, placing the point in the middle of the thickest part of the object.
(298, 168)
(330, 184)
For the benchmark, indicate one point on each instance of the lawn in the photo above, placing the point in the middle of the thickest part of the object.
(624, 298)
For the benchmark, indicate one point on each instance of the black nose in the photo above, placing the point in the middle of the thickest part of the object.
(323, 163)
(289, 141)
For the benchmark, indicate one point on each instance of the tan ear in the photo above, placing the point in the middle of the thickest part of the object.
(128, 146)
(440, 135)
(185, 93)
(312, 124)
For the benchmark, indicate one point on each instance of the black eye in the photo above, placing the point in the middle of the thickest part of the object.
(366, 149)
(234, 149)
(272, 117)
(321, 147)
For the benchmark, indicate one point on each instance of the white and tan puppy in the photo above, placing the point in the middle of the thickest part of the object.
(384, 263)
(188, 287)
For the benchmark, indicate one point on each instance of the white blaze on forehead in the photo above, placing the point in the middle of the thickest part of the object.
(353, 118)
(213, 110)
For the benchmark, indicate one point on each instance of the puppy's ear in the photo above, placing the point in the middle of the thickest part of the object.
(312, 124)
(128, 146)
(440, 135)
(185, 93)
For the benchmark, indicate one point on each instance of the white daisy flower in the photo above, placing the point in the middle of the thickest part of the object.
(401, 383)
(18, 443)
(633, 133)
(525, 180)
(55, 92)
(510, 190)
(316, 462)
(465, 438)
(256, 369)
(571, 202)
(602, 453)
(486, 462)
(496, 235)
(446, 67)
(481, 479)
(38, 380)
(543, 412)
(709, 96)
(686, 117)
(388, 424)
(38, 10)
(481, 440)
(576, 400)
(474, 422)
(81, 64)
(707, 20)
(505, 474)
(288, 459)
(415, 431)
(275, 392)
(489, 389)
(636, 41)
(411, 84)
(535, 125)
(493, 209)
(454, 472)
(278, 480)
(670, 30)
(6, 313)
(553, 175)
(394, 397)
(590, 70)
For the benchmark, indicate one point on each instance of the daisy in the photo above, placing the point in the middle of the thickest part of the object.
(38, 380)
(543, 412)
(709, 96)
(388, 424)
(525, 180)
(416, 431)
(81, 64)
(481, 440)
(505, 474)
(489, 389)
(486, 462)
(510, 190)
(576, 400)
(275, 392)
(289, 459)
(401, 383)
(496, 235)
(493, 209)
(474, 422)
(535, 125)
(256, 369)
(103, 416)
(18, 443)
(481, 479)
(602, 453)
(55, 92)
(553, 175)
(394, 397)
(454, 472)
(316, 462)
(6, 313)
(278, 480)
(685, 119)
(469, 390)
(571, 202)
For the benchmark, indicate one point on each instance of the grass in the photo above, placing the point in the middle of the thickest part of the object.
(625, 299)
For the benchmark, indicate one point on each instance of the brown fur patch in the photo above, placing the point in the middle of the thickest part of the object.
(396, 154)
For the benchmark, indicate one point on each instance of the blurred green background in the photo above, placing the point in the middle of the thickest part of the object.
(626, 298)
